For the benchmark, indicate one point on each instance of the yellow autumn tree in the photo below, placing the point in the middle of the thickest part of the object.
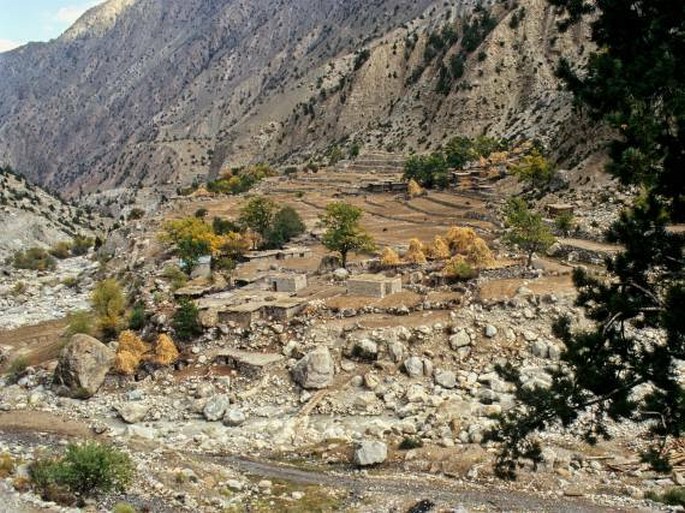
(460, 238)
(479, 254)
(439, 250)
(389, 257)
(129, 353)
(165, 351)
(414, 189)
(416, 253)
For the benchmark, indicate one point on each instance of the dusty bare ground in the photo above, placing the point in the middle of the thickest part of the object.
(390, 486)
(37, 344)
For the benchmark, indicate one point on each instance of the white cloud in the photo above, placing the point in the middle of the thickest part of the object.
(70, 13)
(6, 45)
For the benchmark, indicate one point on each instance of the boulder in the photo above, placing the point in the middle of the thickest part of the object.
(446, 379)
(234, 417)
(341, 274)
(83, 364)
(365, 349)
(370, 452)
(132, 413)
(216, 407)
(396, 351)
(460, 339)
(540, 349)
(315, 370)
(490, 331)
(413, 366)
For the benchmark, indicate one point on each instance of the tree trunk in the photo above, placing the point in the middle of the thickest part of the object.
(343, 257)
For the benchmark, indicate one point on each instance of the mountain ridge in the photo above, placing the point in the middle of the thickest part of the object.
(140, 92)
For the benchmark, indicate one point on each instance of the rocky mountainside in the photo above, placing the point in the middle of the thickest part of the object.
(145, 92)
(33, 217)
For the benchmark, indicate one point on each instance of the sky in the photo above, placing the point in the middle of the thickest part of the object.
(22, 21)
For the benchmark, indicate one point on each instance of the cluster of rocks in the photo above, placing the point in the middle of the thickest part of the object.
(31, 297)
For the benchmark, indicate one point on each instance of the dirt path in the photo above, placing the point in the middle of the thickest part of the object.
(37, 343)
(590, 245)
(442, 491)
(32, 422)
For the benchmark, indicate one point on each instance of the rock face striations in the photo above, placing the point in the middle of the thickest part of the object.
(145, 92)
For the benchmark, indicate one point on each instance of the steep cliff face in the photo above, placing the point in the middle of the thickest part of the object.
(158, 91)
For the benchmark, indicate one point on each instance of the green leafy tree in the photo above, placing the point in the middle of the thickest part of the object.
(190, 250)
(258, 214)
(186, 322)
(534, 169)
(459, 151)
(343, 231)
(527, 230)
(109, 305)
(286, 225)
(612, 370)
(192, 238)
(222, 226)
(431, 171)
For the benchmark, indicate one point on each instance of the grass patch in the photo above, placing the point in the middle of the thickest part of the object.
(314, 499)
(673, 496)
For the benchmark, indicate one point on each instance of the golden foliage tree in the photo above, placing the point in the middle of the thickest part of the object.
(414, 189)
(439, 250)
(479, 254)
(460, 238)
(416, 253)
(389, 257)
(165, 351)
(130, 352)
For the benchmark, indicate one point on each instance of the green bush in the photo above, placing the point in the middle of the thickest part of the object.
(123, 507)
(673, 496)
(85, 470)
(109, 305)
(459, 269)
(410, 442)
(224, 226)
(430, 171)
(175, 276)
(135, 214)
(186, 322)
(19, 288)
(564, 223)
(137, 318)
(70, 282)
(16, 368)
(61, 250)
(80, 322)
(36, 259)
(81, 244)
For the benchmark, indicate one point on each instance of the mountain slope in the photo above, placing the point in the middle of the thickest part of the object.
(151, 91)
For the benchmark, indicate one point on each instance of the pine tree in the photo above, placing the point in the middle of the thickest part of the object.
(637, 85)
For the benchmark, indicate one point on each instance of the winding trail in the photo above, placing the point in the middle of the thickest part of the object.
(441, 490)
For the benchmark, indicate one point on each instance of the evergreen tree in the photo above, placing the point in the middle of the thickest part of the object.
(625, 367)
